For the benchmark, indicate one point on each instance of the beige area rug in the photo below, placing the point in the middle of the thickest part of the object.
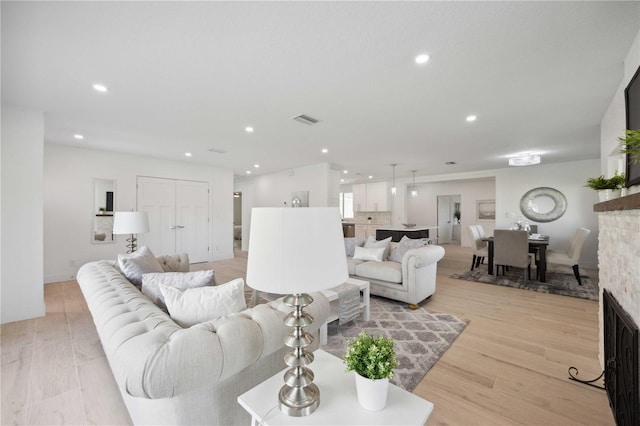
(420, 337)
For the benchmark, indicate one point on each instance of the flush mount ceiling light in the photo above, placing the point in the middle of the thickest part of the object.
(422, 59)
(78, 136)
(257, 166)
(393, 182)
(525, 159)
(345, 171)
(187, 154)
(100, 88)
(370, 177)
(325, 150)
(471, 118)
(248, 129)
(248, 172)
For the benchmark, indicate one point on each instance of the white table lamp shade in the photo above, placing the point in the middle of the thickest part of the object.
(296, 250)
(130, 223)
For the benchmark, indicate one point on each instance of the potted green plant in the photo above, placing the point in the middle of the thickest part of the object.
(372, 360)
(608, 188)
(630, 145)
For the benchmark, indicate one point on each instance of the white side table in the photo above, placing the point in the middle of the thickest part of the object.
(333, 296)
(338, 400)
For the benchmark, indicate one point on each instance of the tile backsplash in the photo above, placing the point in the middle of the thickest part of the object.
(377, 218)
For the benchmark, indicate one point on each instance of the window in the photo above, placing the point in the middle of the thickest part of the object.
(346, 205)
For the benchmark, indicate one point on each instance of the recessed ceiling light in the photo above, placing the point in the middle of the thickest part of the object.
(256, 166)
(100, 88)
(422, 59)
(345, 171)
(341, 180)
(248, 172)
(471, 118)
(325, 150)
(370, 177)
(78, 136)
(248, 129)
(187, 154)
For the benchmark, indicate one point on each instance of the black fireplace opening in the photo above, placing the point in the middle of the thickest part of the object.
(621, 372)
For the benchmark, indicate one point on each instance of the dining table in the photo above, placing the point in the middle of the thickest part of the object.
(538, 242)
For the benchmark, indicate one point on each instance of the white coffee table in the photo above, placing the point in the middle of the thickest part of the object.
(332, 295)
(338, 400)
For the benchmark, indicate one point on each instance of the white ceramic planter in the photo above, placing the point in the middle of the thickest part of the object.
(608, 194)
(372, 394)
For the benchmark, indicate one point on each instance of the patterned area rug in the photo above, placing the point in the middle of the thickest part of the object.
(420, 337)
(559, 281)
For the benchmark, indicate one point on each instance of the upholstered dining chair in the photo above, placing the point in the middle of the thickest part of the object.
(511, 248)
(572, 255)
(478, 246)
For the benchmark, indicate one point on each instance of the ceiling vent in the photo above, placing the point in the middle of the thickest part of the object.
(217, 151)
(306, 119)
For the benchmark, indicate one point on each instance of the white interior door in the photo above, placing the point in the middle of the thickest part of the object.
(192, 220)
(157, 197)
(178, 216)
(444, 219)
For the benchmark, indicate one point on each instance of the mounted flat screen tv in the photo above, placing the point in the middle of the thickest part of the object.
(632, 104)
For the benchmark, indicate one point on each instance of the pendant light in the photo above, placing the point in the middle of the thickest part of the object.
(414, 192)
(393, 182)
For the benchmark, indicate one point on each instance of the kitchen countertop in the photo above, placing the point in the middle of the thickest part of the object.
(402, 228)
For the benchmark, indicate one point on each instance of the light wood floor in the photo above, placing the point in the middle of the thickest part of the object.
(508, 367)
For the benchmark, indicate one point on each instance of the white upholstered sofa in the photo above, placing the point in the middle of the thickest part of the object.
(184, 376)
(412, 280)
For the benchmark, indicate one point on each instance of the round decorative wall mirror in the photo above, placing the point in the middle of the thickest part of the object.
(543, 204)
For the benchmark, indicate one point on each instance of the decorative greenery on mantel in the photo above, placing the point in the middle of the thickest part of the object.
(601, 182)
(630, 144)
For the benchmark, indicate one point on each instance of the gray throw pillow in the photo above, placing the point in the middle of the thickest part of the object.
(372, 243)
(139, 262)
(180, 280)
(404, 246)
(351, 243)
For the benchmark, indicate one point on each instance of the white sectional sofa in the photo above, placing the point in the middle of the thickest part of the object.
(411, 281)
(185, 376)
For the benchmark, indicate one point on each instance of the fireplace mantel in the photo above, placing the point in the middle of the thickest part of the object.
(628, 202)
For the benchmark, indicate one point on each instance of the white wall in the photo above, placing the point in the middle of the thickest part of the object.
(568, 178)
(423, 209)
(68, 203)
(614, 123)
(21, 250)
(274, 190)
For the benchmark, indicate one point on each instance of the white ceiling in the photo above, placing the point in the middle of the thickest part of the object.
(189, 76)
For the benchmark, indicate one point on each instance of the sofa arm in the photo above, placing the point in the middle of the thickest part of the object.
(174, 262)
(423, 256)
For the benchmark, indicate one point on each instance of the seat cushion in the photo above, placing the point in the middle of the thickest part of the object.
(383, 271)
(351, 265)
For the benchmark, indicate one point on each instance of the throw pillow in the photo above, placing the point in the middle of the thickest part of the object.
(137, 263)
(404, 246)
(196, 305)
(180, 280)
(351, 243)
(364, 253)
(372, 243)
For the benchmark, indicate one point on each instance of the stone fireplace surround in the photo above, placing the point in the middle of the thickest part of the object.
(619, 259)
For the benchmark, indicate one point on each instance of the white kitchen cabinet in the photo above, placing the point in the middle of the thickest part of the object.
(371, 197)
(359, 197)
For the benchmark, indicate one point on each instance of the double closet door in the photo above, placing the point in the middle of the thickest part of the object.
(178, 216)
